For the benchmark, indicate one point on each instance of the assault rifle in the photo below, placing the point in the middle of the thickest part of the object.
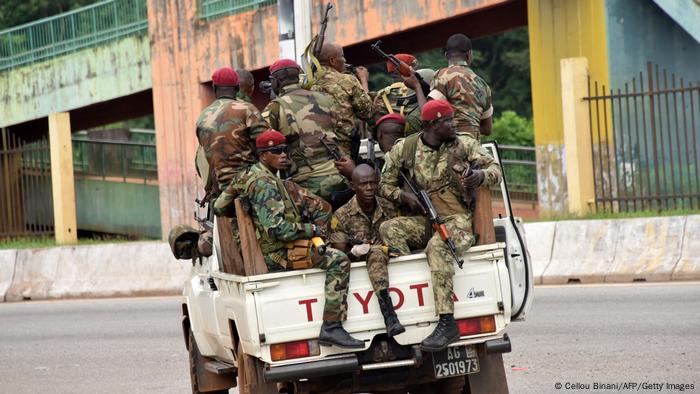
(332, 152)
(437, 222)
(404, 69)
(371, 157)
(322, 33)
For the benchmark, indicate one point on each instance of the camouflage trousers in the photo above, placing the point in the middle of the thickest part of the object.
(324, 186)
(377, 261)
(406, 233)
(337, 267)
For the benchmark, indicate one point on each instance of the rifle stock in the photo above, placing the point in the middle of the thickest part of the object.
(320, 38)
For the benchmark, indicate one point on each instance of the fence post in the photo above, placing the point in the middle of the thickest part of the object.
(577, 136)
(62, 182)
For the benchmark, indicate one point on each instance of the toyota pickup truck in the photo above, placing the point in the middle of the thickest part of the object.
(259, 332)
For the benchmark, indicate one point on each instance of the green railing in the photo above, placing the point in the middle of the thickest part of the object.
(212, 9)
(71, 31)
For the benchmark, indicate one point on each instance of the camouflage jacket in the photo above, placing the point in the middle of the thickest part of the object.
(304, 117)
(283, 210)
(350, 221)
(467, 92)
(243, 97)
(433, 169)
(351, 102)
(401, 100)
(226, 130)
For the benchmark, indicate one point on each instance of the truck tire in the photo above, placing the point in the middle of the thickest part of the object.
(443, 386)
(250, 375)
(195, 363)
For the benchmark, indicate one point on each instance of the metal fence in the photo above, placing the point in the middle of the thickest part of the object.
(115, 161)
(520, 169)
(71, 31)
(212, 9)
(26, 203)
(645, 143)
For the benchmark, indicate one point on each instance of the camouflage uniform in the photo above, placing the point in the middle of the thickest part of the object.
(350, 221)
(468, 93)
(226, 130)
(351, 103)
(401, 100)
(243, 97)
(285, 212)
(433, 173)
(305, 117)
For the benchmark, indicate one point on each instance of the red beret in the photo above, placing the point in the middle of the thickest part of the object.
(404, 57)
(225, 76)
(391, 117)
(269, 138)
(436, 109)
(283, 63)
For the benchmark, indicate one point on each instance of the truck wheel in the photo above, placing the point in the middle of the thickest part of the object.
(443, 386)
(195, 364)
(250, 375)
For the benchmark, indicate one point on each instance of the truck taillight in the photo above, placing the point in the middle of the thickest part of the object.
(296, 349)
(476, 325)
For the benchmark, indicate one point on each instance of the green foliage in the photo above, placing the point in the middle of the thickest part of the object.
(17, 12)
(512, 129)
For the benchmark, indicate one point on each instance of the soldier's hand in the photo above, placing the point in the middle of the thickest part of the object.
(412, 81)
(473, 179)
(345, 166)
(362, 73)
(412, 201)
(319, 231)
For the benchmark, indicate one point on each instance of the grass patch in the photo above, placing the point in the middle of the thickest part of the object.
(616, 215)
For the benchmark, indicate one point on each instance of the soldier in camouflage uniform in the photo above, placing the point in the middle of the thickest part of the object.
(246, 84)
(352, 101)
(305, 118)
(467, 92)
(437, 162)
(227, 128)
(357, 223)
(398, 98)
(284, 213)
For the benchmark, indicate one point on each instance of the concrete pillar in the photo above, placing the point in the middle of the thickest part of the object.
(577, 135)
(62, 183)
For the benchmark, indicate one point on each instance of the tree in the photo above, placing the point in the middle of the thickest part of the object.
(17, 12)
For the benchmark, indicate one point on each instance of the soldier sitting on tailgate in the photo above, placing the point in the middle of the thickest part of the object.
(355, 229)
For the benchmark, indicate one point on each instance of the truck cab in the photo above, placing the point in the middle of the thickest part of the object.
(258, 331)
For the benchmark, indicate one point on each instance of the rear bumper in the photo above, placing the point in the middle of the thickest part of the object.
(351, 364)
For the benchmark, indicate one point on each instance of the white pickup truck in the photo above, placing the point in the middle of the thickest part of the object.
(260, 332)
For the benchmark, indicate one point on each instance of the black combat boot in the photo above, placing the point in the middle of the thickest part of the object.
(333, 333)
(444, 334)
(393, 326)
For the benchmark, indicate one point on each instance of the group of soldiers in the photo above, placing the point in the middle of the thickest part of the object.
(296, 164)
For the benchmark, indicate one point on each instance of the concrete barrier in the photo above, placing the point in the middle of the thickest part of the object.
(7, 270)
(583, 252)
(540, 242)
(103, 270)
(688, 267)
(647, 249)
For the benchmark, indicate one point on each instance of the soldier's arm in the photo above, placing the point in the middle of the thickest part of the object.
(389, 182)
(269, 208)
(492, 171)
(255, 122)
(339, 237)
(361, 102)
(487, 116)
(271, 115)
(438, 87)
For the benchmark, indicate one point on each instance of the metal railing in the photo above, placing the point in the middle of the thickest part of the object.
(71, 31)
(520, 169)
(645, 143)
(115, 161)
(212, 9)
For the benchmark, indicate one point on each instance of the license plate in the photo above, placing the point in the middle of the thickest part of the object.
(455, 361)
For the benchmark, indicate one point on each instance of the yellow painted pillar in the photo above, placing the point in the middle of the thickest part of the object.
(62, 182)
(560, 29)
(577, 135)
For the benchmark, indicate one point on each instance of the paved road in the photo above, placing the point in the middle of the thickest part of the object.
(583, 334)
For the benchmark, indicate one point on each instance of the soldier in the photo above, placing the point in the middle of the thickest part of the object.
(286, 217)
(246, 85)
(350, 95)
(390, 128)
(305, 118)
(227, 128)
(440, 160)
(357, 222)
(467, 92)
(399, 98)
